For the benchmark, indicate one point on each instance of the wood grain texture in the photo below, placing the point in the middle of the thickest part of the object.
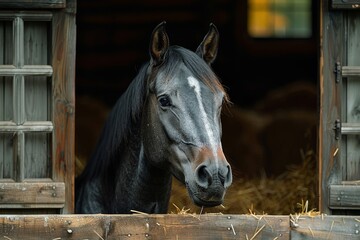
(326, 227)
(352, 97)
(32, 4)
(63, 62)
(31, 193)
(344, 196)
(345, 5)
(339, 101)
(170, 226)
(37, 100)
(145, 227)
(331, 168)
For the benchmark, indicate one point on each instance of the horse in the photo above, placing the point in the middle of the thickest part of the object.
(167, 123)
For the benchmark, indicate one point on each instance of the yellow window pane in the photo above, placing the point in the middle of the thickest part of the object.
(259, 23)
(259, 4)
(279, 18)
(281, 24)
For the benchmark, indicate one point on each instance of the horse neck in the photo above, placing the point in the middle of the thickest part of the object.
(146, 189)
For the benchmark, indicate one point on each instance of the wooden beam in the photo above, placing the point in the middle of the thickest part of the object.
(33, 70)
(345, 5)
(172, 226)
(30, 194)
(63, 106)
(332, 36)
(37, 126)
(325, 227)
(350, 71)
(32, 4)
(344, 196)
(28, 15)
(145, 227)
(350, 128)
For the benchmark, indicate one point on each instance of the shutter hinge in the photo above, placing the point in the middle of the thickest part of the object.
(337, 72)
(337, 129)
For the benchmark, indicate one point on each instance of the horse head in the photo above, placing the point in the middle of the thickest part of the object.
(181, 124)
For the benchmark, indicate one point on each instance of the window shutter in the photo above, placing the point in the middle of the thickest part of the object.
(339, 131)
(37, 59)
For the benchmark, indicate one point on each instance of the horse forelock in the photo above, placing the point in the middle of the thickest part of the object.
(197, 66)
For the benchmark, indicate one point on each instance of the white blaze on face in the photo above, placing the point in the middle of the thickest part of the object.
(194, 83)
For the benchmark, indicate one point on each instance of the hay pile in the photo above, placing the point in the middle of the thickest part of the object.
(271, 195)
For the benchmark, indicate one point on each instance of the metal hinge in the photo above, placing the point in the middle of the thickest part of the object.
(337, 72)
(337, 129)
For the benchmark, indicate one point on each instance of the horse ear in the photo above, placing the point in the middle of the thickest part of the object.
(208, 48)
(159, 44)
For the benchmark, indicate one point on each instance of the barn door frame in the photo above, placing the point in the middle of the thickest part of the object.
(339, 122)
(56, 191)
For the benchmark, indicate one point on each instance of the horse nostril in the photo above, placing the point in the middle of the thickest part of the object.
(203, 176)
(228, 178)
(225, 176)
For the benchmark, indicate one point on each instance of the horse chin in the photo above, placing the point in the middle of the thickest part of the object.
(201, 203)
(204, 201)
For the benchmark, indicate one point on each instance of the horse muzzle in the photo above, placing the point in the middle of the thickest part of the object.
(209, 183)
(205, 172)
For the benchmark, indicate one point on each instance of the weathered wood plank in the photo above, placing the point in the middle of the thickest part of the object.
(19, 155)
(6, 152)
(178, 227)
(28, 15)
(37, 99)
(38, 162)
(29, 194)
(19, 84)
(6, 100)
(325, 227)
(35, 126)
(344, 196)
(9, 70)
(331, 168)
(63, 62)
(21, 4)
(352, 97)
(345, 5)
(350, 71)
(145, 227)
(350, 128)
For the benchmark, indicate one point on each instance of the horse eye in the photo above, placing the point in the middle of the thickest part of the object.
(164, 101)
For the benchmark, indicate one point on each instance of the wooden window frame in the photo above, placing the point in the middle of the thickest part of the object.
(33, 4)
(57, 192)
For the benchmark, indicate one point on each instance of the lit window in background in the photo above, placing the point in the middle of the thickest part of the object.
(279, 18)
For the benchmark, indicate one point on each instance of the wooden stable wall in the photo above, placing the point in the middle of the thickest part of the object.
(339, 125)
(207, 227)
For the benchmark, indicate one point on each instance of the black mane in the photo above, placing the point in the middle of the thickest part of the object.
(119, 125)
